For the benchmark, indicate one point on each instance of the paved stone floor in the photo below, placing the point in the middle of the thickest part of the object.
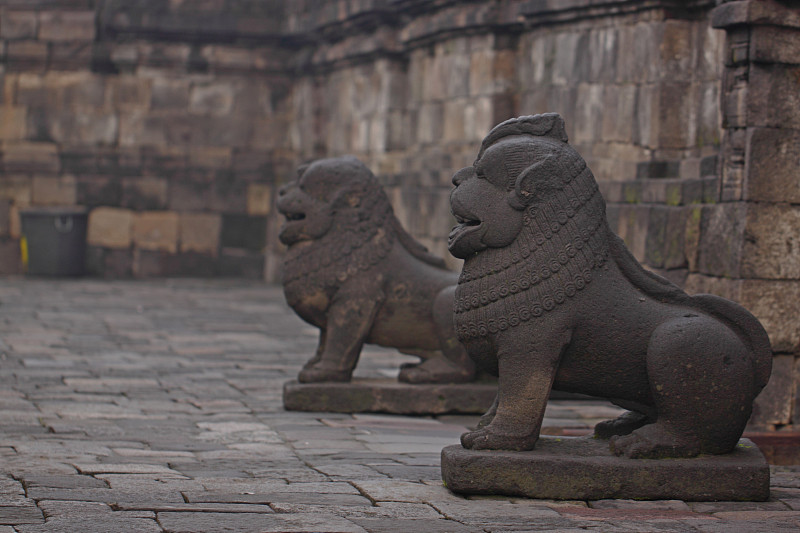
(156, 407)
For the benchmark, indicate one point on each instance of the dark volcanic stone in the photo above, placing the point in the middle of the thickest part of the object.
(352, 271)
(583, 468)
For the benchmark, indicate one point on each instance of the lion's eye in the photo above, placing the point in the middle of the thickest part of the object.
(479, 174)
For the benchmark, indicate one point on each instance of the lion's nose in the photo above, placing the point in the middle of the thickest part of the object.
(283, 190)
(461, 175)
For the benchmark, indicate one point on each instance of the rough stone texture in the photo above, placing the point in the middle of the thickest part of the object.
(772, 245)
(10, 259)
(758, 175)
(148, 405)
(720, 239)
(771, 300)
(565, 468)
(5, 216)
(110, 227)
(59, 26)
(388, 396)
(142, 193)
(128, 84)
(259, 199)
(181, 91)
(53, 191)
(18, 25)
(353, 272)
(131, 135)
(155, 230)
(199, 232)
(31, 157)
(549, 298)
(775, 408)
(773, 179)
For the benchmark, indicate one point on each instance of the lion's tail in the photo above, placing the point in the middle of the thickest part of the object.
(736, 317)
(414, 247)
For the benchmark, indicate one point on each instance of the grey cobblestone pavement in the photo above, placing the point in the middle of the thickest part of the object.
(156, 407)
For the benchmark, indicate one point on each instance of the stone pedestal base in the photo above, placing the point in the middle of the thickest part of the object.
(583, 468)
(389, 396)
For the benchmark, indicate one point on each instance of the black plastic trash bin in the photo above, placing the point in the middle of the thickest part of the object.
(54, 240)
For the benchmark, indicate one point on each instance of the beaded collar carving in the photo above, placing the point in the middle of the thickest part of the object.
(343, 251)
(562, 241)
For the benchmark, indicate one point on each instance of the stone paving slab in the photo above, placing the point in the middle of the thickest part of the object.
(157, 407)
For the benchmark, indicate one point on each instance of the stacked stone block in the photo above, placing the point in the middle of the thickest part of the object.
(748, 246)
(656, 98)
(638, 85)
(176, 121)
(174, 145)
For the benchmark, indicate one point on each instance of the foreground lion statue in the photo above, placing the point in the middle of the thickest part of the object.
(353, 272)
(550, 297)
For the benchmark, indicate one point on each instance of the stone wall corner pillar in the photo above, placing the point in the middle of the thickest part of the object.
(760, 103)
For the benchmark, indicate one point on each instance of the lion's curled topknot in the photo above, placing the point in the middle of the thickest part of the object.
(544, 125)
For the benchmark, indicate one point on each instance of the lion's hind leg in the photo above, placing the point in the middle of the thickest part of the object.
(451, 364)
(701, 379)
(624, 424)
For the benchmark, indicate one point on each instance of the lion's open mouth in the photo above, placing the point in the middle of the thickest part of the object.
(466, 221)
(292, 228)
(465, 226)
(465, 237)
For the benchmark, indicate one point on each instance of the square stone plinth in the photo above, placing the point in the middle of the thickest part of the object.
(583, 468)
(389, 396)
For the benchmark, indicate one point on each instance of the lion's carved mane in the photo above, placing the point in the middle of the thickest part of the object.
(560, 245)
(360, 239)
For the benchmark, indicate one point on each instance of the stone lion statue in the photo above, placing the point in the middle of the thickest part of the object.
(549, 298)
(353, 272)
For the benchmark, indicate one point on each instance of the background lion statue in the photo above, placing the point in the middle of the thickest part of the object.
(353, 272)
(550, 297)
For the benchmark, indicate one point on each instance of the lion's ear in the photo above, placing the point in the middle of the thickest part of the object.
(543, 172)
(347, 198)
(354, 199)
(515, 201)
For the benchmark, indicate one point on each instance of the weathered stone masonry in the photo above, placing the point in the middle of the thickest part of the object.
(686, 111)
(166, 122)
(176, 121)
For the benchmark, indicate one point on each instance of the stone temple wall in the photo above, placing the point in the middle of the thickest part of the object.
(166, 120)
(176, 121)
(638, 85)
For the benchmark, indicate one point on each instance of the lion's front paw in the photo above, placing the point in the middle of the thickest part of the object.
(654, 442)
(487, 438)
(319, 372)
